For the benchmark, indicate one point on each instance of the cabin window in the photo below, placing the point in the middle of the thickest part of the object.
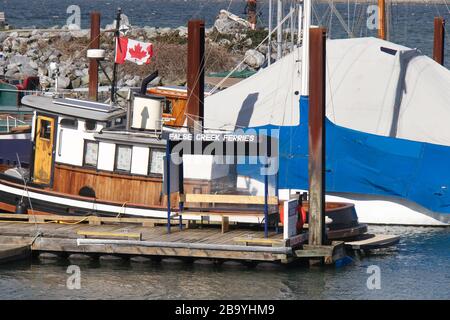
(90, 125)
(46, 129)
(156, 165)
(69, 123)
(168, 106)
(90, 153)
(123, 158)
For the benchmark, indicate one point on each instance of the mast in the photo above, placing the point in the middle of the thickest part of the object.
(292, 27)
(300, 23)
(279, 29)
(305, 48)
(269, 48)
(116, 37)
(382, 19)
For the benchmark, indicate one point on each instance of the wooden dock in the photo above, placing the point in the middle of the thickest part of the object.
(12, 252)
(146, 237)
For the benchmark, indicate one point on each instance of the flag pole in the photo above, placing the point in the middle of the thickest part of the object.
(116, 38)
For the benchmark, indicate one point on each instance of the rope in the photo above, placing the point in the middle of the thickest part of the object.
(240, 63)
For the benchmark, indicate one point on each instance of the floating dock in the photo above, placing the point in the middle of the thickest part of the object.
(12, 252)
(149, 237)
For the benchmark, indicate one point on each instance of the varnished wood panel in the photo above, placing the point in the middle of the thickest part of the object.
(118, 187)
(178, 100)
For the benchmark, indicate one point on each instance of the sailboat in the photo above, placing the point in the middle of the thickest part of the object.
(388, 140)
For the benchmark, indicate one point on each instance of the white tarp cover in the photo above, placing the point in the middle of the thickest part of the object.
(373, 86)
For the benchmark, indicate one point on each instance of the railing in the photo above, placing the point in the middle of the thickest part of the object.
(10, 122)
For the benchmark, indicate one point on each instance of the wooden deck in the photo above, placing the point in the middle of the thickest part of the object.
(149, 237)
(136, 239)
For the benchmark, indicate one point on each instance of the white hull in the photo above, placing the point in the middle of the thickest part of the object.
(386, 210)
(51, 200)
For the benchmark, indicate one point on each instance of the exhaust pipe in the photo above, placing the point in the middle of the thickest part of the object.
(146, 81)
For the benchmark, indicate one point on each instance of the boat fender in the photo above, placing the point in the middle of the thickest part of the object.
(21, 207)
(301, 217)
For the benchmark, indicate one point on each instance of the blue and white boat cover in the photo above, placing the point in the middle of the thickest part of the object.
(388, 110)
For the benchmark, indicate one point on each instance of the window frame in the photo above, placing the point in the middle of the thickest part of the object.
(85, 164)
(150, 159)
(116, 157)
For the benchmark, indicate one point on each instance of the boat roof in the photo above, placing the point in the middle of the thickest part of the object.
(128, 137)
(74, 108)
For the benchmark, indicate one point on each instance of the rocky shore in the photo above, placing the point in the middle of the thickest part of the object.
(31, 52)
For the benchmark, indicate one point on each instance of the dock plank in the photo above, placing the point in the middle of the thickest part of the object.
(373, 241)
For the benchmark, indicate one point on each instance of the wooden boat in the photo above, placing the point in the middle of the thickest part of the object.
(84, 161)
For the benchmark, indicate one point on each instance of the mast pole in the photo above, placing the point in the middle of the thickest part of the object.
(279, 29)
(305, 48)
(93, 63)
(439, 37)
(300, 22)
(292, 27)
(382, 19)
(269, 48)
(116, 37)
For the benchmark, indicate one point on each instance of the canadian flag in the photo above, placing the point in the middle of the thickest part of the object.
(134, 51)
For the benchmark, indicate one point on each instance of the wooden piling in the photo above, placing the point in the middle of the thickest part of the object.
(196, 74)
(93, 63)
(382, 19)
(316, 128)
(439, 36)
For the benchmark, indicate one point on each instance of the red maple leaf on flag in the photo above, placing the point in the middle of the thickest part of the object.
(137, 52)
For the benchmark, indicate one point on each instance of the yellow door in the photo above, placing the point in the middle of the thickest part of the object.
(43, 153)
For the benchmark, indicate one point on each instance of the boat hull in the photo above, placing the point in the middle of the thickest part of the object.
(384, 210)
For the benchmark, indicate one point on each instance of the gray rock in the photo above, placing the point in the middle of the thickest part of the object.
(254, 58)
(66, 36)
(224, 25)
(85, 80)
(182, 31)
(25, 34)
(3, 36)
(156, 81)
(14, 35)
(63, 82)
(76, 83)
(53, 58)
(73, 27)
(248, 42)
(46, 82)
(225, 42)
(80, 33)
(131, 83)
(34, 65)
(42, 71)
(79, 73)
(164, 31)
(11, 71)
(102, 79)
(150, 32)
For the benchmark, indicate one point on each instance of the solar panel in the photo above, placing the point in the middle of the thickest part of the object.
(89, 105)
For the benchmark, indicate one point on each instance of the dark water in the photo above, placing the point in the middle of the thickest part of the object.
(419, 268)
(411, 24)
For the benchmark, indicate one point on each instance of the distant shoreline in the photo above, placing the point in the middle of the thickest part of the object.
(395, 2)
